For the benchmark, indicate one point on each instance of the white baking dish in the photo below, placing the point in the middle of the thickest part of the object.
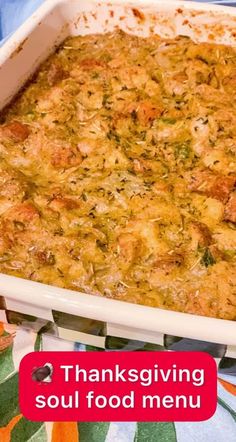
(19, 57)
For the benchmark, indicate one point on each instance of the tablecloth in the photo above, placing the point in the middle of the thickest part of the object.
(15, 342)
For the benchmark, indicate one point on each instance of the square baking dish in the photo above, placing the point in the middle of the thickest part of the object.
(70, 314)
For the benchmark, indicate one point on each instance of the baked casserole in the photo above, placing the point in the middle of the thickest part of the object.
(118, 173)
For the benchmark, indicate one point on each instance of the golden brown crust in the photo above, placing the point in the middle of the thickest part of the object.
(16, 131)
(230, 209)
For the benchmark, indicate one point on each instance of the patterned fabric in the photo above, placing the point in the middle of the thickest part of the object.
(35, 333)
(15, 342)
(65, 326)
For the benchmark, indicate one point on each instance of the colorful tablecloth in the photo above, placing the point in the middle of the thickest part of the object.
(15, 342)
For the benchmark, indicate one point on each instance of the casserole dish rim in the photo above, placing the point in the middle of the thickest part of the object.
(151, 319)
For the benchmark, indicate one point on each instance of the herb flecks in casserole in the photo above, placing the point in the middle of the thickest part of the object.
(118, 173)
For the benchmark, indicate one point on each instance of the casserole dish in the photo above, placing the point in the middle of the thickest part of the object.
(29, 46)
